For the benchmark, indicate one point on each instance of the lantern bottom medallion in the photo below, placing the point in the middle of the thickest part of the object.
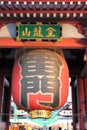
(40, 114)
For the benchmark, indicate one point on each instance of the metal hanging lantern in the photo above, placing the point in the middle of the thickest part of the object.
(40, 82)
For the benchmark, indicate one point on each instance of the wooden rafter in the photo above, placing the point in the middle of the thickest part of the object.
(44, 8)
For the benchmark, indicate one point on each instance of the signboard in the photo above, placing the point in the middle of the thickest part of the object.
(65, 113)
(38, 32)
(66, 110)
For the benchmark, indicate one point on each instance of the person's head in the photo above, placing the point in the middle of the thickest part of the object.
(60, 128)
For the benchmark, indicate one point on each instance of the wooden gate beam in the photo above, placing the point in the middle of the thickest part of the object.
(66, 43)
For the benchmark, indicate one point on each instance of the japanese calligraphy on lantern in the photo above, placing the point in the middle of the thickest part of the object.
(38, 32)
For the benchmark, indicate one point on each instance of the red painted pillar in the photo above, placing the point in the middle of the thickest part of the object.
(74, 103)
(1, 89)
(81, 104)
(6, 104)
(85, 89)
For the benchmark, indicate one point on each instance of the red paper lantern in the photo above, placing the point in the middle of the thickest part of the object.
(40, 81)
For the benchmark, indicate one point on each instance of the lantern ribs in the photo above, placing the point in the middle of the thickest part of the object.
(59, 8)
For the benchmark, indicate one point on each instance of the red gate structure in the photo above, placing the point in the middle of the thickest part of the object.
(72, 17)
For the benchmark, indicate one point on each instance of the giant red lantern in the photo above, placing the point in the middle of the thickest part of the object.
(40, 82)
